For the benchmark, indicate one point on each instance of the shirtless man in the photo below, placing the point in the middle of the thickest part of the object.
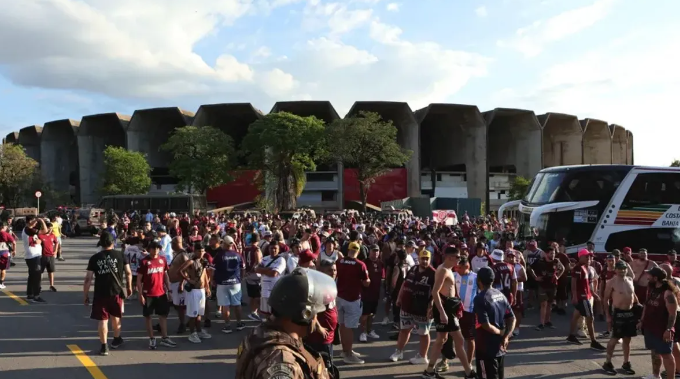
(676, 336)
(445, 301)
(621, 319)
(640, 266)
(176, 285)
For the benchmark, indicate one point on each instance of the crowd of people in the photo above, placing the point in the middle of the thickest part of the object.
(471, 283)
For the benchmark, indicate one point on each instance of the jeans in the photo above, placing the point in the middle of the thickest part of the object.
(34, 277)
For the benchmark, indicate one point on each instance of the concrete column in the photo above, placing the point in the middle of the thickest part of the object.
(149, 129)
(12, 137)
(629, 148)
(29, 138)
(233, 119)
(597, 142)
(451, 136)
(515, 141)
(408, 135)
(619, 144)
(562, 140)
(59, 153)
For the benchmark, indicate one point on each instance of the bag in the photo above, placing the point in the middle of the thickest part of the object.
(113, 273)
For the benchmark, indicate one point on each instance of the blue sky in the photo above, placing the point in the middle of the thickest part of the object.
(615, 60)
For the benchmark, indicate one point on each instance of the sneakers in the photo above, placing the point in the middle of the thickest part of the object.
(53, 289)
(597, 346)
(352, 359)
(549, 325)
(167, 342)
(117, 342)
(386, 321)
(2, 286)
(397, 355)
(539, 328)
(373, 335)
(471, 375)
(240, 326)
(104, 350)
(363, 337)
(431, 375)
(515, 333)
(608, 368)
(442, 366)
(254, 316)
(604, 334)
(39, 299)
(204, 335)
(419, 360)
(581, 334)
(573, 340)
(194, 338)
(628, 369)
(61, 259)
(227, 329)
(218, 315)
(152, 344)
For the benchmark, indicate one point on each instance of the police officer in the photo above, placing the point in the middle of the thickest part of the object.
(274, 349)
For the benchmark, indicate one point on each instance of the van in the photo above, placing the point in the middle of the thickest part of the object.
(88, 220)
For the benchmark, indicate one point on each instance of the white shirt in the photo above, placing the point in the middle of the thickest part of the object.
(519, 271)
(478, 262)
(279, 265)
(31, 251)
(291, 262)
(134, 255)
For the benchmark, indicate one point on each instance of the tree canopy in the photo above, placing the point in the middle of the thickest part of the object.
(675, 163)
(125, 172)
(202, 158)
(519, 188)
(368, 143)
(283, 146)
(17, 171)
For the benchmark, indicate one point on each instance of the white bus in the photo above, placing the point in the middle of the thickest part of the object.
(613, 206)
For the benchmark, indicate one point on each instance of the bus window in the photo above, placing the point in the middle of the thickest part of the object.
(590, 185)
(180, 204)
(655, 240)
(544, 188)
(653, 189)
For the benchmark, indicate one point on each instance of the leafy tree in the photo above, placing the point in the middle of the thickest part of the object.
(675, 163)
(125, 172)
(17, 171)
(283, 146)
(519, 188)
(202, 157)
(368, 143)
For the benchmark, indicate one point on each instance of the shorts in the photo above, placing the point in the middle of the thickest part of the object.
(491, 368)
(254, 290)
(419, 323)
(546, 294)
(369, 307)
(518, 308)
(47, 263)
(158, 305)
(195, 302)
(105, 307)
(562, 289)
(229, 295)
(452, 326)
(584, 308)
(264, 306)
(178, 298)
(657, 344)
(467, 325)
(349, 312)
(624, 324)
(4, 260)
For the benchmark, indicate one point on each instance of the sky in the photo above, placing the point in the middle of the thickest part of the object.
(614, 60)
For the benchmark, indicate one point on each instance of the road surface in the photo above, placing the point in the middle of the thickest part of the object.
(58, 340)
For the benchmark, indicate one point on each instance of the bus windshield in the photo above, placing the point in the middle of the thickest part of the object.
(545, 187)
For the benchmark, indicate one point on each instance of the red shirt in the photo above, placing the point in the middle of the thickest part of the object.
(153, 272)
(350, 274)
(504, 273)
(329, 320)
(5, 239)
(48, 242)
(580, 275)
(375, 273)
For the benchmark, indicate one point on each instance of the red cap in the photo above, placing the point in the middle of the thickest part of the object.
(627, 249)
(584, 253)
(306, 256)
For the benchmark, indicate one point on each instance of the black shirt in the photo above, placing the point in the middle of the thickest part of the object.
(102, 263)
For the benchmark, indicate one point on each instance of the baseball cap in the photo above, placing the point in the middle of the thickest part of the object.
(354, 246)
(510, 253)
(621, 265)
(267, 233)
(610, 256)
(161, 228)
(424, 253)
(411, 244)
(627, 250)
(485, 275)
(306, 256)
(375, 247)
(497, 255)
(584, 253)
(422, 243)
(657, 272)
(228, 240)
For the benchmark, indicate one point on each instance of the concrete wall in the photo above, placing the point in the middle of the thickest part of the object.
(514, 139)
(408, 135)
(95, 133)
(151, 128)
(29, 138)
(597, 142)
(562, 140)
(59, 152)
(454, 135)
(629, 148)
(12, 137)
(233, 119)
(619, 144)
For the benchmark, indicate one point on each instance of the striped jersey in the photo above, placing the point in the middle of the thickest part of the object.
(466, 286)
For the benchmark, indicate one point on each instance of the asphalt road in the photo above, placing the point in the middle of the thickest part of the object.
(38, 341)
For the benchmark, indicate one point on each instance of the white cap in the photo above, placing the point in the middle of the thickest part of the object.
(497, 255)
(267, 233)
(228, 240)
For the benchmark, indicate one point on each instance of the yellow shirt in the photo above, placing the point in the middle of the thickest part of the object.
(56, 230)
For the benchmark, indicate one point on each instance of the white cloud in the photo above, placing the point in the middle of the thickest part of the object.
(531, 40)
(481, 11)
(393, 7)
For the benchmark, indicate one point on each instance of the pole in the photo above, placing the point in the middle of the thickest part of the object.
(38, 204)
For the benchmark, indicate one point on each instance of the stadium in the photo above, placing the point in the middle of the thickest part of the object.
(458, 151)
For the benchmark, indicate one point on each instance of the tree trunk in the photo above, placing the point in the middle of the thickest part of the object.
(363, 193)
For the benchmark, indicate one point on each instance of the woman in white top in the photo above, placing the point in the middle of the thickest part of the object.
(511, 257)
(334, 254)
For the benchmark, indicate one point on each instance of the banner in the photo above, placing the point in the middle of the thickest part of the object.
(445, 217)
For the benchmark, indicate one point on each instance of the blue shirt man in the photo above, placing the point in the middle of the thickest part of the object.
(228, 265)
(495, 323)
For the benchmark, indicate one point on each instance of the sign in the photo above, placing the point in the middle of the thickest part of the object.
(583, 216)
(38, 194)
(445, 217)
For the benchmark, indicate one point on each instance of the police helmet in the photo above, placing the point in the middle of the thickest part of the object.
(302, 294)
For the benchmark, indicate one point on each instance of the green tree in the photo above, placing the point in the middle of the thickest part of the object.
(283, 146)
(202, 157)
(17, 171)
(675, 163)
(125, 172)
(519, 188)
(368, 143)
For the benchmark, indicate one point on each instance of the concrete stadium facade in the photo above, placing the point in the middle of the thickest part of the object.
(479, 152)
